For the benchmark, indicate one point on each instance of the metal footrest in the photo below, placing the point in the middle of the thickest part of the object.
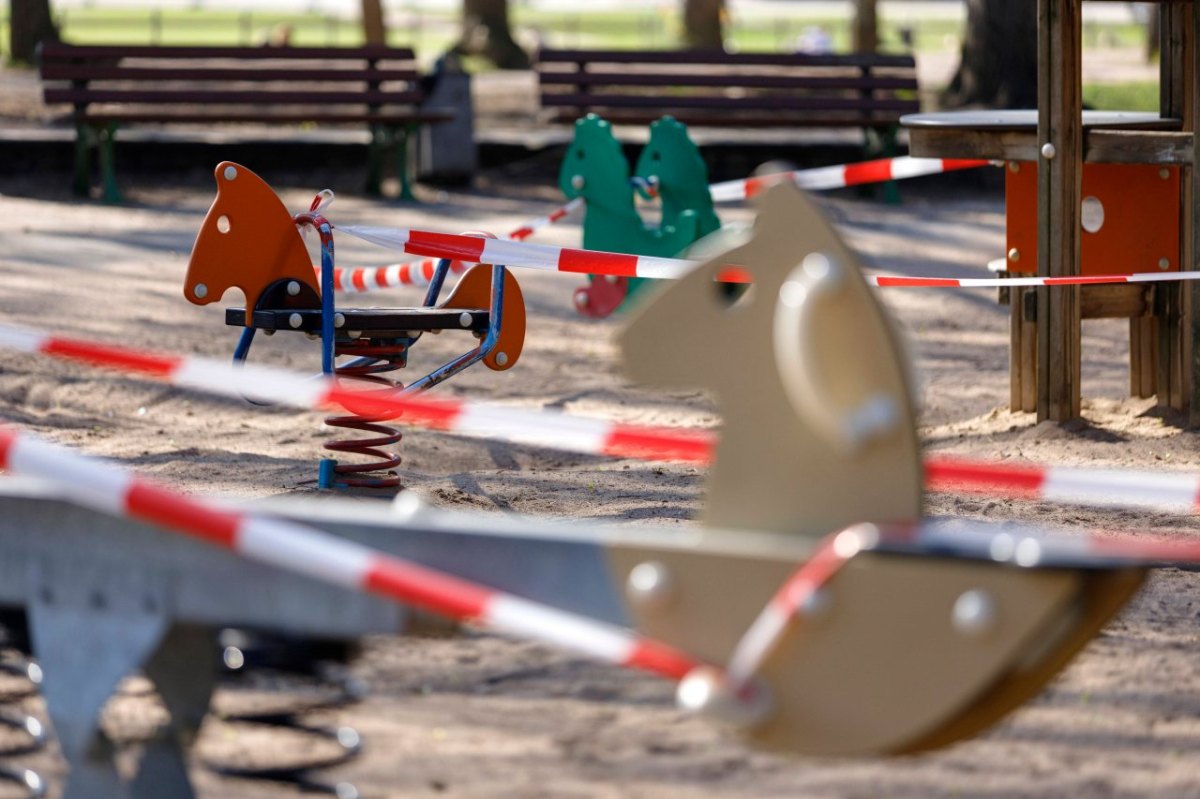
(372, 322)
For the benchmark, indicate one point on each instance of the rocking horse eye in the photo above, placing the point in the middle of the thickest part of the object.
(579, 154)
(655, 156)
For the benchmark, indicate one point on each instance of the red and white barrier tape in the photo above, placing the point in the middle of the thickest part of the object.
(108, 488)
(900, 281)
(420, 273)
(1173, 491)
(837, 177)
(278, 386)
(564, 259)
(476, 250)
(1139, 489)
(801, 592)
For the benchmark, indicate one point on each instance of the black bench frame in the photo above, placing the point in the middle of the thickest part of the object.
(111, 85)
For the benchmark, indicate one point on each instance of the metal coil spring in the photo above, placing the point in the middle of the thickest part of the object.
(374, 360)
(290, 664)
(18, 665)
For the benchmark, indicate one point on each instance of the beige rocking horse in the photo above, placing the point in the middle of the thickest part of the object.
(904, 652)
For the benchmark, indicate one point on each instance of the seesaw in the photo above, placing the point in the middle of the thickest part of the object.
(812, 610)
(249, 241)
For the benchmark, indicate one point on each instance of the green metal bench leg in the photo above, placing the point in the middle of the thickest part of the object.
(375, 161)
(108, 173)
(882, 144)
(402, 165)
(84, 140)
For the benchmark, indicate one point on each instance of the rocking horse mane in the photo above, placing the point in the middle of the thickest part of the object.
(247, 241)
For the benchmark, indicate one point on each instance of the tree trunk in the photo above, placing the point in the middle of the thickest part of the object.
(702, 24)
(374, 27)
(486, 32)
(999, 56)
(1153, 30)
(31, 23)
(866, 27)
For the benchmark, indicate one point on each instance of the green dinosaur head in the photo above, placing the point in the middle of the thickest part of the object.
(672, 158)
(594, 165)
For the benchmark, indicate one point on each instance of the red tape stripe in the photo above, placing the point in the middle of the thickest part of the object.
(126, 360)
(868, 172)
(168, 509)
(946, 474)
(438, 245)
(630, 442)
(605, 263)
(889, 280)
(428, 589)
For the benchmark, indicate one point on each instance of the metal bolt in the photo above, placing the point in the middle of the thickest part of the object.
(1014, 255)
(339, 320)
(649, 585)
(1028, 552)
(817, 265)
(974, 613)
(293, 288)
(295, 320)
(706, 692)
(581, 299)
(501, 358)
(577, 182)
(464, 319)
(1164, 263)
(1014, 166)
(354, 334)
(201, 291)
(1049, 151)
(230, 172)
(1091, 214)
(1164, 173)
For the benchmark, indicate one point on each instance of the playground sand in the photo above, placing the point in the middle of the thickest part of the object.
(481, 716)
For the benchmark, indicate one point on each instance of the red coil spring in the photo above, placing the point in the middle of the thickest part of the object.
(376, 473)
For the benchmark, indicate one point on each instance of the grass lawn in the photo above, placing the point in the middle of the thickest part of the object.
(430, 32)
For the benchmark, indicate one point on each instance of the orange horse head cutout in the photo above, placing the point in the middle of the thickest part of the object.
(248, 241)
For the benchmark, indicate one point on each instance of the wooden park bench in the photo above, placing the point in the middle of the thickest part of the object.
(116, 85)
(753, 90)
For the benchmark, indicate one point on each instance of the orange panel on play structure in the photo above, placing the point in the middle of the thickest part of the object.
(1130, 218)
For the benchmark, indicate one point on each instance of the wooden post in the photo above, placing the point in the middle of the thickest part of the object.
(1173, 302)
(1191, 232)
(1059, 170)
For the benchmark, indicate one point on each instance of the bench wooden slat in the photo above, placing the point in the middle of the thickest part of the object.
(591, 78)
(58, 51)
(762, 102)
(815, 119)
(78, 71)
(721, 57)
(172, 96)
(383, 118)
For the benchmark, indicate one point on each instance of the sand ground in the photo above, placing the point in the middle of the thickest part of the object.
(479, 716)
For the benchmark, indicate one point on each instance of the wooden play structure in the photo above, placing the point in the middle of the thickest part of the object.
(1071, 176)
